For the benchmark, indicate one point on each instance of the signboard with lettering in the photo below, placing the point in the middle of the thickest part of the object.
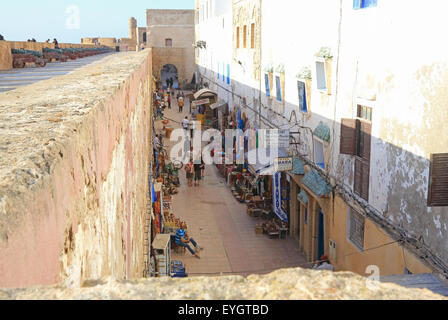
(277, 196)
(200, 102)
(283, 164)
(276, 138)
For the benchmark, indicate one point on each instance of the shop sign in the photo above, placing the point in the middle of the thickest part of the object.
(276, 138)
(283, 164)
(200, 102)
(277, 197)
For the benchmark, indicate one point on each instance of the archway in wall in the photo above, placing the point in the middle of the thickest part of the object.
(169, 71)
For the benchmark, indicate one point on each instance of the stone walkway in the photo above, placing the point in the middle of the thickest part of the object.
(220, 224)
(15, 78)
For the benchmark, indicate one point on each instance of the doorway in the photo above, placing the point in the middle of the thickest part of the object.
(320, 235)
(169, 72)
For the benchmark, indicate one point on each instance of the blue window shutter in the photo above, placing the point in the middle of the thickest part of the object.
(302, 96)
(228, 74)
(268, 90)
(279, 88)
(218, 70)
(357, 4)
(223, 73)
(369, 3)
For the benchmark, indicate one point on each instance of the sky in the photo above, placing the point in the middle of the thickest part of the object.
(70, 20)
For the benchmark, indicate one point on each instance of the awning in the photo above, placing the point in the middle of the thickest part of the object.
(316, 184)
(323, 132)
(204, 94)
(264, 167)
(297, 167)
(219, 105)
(302, 197)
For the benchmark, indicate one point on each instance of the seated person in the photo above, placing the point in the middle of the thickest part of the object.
(324, 264)
(182, 239)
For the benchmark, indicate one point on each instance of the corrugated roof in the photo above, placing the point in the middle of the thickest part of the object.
(323, 132)
(418, 281)
(297, 167)
(303, 197)
(316, 184)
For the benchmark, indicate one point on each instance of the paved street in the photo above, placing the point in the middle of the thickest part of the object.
(219, 223)
(12, 79)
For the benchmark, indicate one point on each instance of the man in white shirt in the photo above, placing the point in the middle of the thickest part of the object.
(185, 123)
(324, 264)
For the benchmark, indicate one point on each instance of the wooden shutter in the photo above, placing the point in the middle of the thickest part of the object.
(362, 178)
(358, 177)
(438, 181)
(348, 136)
(365, 180)
(367, 133)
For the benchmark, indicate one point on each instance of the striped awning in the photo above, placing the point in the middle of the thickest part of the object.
(316, 184)
(302, 197)
(323, 132)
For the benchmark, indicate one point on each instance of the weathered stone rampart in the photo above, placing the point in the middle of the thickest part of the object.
(6, 46)
(74, 154)
(287, 284)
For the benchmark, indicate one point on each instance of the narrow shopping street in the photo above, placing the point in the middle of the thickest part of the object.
(220, 224)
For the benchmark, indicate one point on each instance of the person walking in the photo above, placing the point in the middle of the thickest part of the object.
(189, 169)
(198, 167)
(185, 124)
(180, 103)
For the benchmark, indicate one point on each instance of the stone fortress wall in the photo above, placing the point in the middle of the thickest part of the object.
(6, 46)
(74, 155)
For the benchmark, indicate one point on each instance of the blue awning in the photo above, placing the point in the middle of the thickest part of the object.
(302, 197)
(323, 132)
(297, 167)
(316, 184)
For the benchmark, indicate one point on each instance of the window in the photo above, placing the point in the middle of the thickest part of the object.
(245, 37)
(218, 70)
(356, 139)
(252, 36)
(355, 229)
(321, 76)
(278, 85)
(238, 37)
(365, 113)
(268, 89)
(438, 181)
(319, 158)
(168, 42)
(362, 4)
(302, 97)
